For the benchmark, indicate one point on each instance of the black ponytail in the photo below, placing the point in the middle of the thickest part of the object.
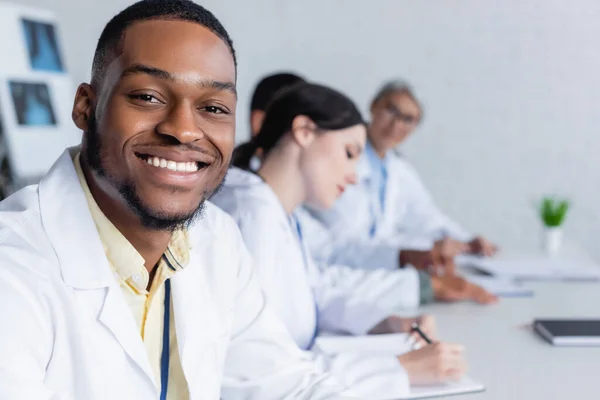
(327, 108)
(243, 153)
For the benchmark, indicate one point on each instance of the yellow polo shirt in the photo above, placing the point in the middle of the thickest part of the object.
(147, 306)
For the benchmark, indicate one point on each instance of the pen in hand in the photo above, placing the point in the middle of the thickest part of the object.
(415, 328)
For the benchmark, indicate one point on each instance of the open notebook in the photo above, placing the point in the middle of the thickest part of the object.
(393, 344)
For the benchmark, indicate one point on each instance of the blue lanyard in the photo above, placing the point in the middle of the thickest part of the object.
(373, 229)
(164, 357)
(305, 260)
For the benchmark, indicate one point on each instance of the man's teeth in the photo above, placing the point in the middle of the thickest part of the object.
(190, 166)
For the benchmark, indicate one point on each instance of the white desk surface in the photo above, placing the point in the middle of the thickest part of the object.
(510, 359)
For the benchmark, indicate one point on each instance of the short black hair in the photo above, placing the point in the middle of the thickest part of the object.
(145, 10)
(269, 85)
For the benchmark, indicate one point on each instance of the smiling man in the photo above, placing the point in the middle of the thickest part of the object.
(118, 280)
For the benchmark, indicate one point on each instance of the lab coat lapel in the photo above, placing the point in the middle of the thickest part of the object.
(117, 317)
(197, 321)
(71, 230)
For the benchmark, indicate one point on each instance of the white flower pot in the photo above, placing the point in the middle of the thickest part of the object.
(552, 240)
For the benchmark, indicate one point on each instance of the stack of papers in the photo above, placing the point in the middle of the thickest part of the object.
(393, 344)
(534, 268)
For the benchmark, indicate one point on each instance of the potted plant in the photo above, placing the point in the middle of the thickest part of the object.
(553, 212)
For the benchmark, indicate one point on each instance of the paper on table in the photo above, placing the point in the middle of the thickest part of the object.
(534, 268)
(397, 343)
(499, 286)
(465, 385)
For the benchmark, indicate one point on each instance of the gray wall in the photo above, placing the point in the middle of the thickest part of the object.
(510, 87)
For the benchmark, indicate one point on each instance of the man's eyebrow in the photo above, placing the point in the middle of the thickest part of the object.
(137, 69)
(228, 86)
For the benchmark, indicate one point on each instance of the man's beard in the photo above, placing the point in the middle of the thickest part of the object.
(151, 219)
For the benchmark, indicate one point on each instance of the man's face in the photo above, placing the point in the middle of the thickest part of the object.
(163, 130)
(393, 118)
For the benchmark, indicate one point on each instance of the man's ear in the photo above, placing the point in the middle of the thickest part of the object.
(303, 130)
(256, 119)
(83, 106)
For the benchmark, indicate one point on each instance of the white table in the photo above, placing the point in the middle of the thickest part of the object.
(512, 361)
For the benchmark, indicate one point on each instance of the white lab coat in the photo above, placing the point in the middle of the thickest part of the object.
(348, 300)
(68, 333)
(358, 233)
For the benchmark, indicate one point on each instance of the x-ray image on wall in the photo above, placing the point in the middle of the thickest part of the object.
(32, 103)
(42, 46)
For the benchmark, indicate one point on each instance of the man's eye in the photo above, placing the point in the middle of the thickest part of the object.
(146, 98)
(214, 110)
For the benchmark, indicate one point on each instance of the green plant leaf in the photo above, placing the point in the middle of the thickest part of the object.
(553, 211)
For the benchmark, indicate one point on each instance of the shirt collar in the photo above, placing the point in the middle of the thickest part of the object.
(178, 252)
